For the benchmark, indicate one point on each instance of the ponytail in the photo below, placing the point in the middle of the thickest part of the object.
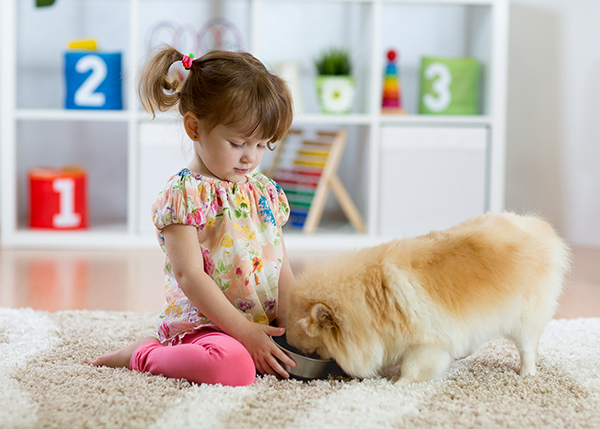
(155, 89)
(222, 87)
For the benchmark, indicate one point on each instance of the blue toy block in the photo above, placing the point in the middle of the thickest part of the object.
(93, 81)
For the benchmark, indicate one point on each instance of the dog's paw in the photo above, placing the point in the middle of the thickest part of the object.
(527, 370)
(403, 381)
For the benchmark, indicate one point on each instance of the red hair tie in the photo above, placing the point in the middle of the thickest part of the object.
(187, 61)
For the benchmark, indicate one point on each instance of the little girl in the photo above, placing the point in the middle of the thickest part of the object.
(227, 272)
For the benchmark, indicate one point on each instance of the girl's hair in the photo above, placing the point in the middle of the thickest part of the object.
(229, 88)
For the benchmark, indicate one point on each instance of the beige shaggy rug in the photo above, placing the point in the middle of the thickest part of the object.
(46, 383)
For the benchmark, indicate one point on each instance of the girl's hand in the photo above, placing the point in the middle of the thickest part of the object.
(185, 254)
(264, 351)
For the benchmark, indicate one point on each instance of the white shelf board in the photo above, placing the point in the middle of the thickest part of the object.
(325, 1)
(445, 2)
(99, 239)
(72, 115)
(301, 119)
(359, 119)
(436, 120)
(94, 238)
(115, 236)
(98, 236)
(449, 2)
(320, 119)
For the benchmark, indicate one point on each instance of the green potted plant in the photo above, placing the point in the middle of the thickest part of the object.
(335, 85)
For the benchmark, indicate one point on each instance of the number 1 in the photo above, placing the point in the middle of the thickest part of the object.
(66, 217)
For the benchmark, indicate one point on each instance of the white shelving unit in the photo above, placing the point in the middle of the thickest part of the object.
(368, 27)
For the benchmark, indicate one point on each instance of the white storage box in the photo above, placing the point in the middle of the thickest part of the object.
(431, 178)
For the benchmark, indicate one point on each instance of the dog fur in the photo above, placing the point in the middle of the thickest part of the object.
(424, 301)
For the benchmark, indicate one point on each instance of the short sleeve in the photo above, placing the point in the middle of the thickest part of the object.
(278, 202)
(179, 203)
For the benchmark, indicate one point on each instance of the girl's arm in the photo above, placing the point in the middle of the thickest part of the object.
(286, 278)
(187, 266)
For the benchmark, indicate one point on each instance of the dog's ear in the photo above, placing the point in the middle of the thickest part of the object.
(321, 318)
(323, 315)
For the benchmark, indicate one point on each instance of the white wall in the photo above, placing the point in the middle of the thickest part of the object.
(553, 147)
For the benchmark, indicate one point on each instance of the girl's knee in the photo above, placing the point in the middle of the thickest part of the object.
(243, 378)
(248, 371)
(238, 368)
(230, 373)
(229, 364)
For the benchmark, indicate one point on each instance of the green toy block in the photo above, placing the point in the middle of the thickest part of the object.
(43, 3)
(449, 86)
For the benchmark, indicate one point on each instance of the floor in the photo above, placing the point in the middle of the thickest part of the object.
(131, 280)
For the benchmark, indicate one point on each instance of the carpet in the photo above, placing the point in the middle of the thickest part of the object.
(45, 382)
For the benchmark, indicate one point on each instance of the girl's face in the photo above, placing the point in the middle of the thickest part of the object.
(225, 154)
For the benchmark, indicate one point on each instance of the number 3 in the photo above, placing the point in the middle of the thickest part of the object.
(85, 95)
(441, 87)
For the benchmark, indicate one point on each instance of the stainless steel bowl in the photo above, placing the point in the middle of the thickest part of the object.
(306, 367)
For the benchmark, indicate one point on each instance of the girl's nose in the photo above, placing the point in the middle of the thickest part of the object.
(249, 156)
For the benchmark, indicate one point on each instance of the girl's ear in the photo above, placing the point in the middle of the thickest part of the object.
(192, 125)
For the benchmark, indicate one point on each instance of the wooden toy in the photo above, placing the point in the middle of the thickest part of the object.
(391, 102)
(307, 175)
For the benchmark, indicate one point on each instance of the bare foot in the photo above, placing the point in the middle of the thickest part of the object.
(120, 358)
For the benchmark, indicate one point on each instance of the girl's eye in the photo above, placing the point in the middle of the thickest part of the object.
(262, 146)
(237, 145)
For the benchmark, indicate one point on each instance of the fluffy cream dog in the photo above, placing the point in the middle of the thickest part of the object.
(422, 302)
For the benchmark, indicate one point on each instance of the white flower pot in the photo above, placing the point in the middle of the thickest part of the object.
(336, 93)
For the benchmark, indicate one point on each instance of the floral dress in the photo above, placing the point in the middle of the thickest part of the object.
(238, 229)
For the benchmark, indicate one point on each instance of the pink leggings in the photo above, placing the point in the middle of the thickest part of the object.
(207, 356)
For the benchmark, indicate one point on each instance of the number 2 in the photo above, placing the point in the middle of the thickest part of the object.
(85, 95)
(441, 86)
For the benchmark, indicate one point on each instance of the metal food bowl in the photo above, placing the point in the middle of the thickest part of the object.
(306, 367)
